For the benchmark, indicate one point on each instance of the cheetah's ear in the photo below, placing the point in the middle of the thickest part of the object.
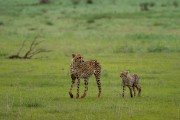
(127, 72)
(73, 55)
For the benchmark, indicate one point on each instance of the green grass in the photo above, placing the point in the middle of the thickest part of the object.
(116, 33)
(30, 91)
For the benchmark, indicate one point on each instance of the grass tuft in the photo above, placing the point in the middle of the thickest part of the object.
(3, 54)
(158, 49)
(49, 23)
(90, 21)
(33, 104)
(124, 49)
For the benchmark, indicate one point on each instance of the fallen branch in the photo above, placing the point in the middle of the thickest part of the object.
(31, 51)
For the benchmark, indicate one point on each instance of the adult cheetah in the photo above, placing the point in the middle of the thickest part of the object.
(84, 69)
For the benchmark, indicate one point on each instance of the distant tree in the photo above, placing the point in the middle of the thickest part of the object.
(146, 5)
(44, 1)
(89, 1)
(175, 3)
(75, 2)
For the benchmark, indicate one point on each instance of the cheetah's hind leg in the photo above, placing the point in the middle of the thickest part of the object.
(85, 88)
(98, 84)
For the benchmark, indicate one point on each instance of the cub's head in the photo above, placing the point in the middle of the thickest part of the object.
(124, 74)
(77, 58)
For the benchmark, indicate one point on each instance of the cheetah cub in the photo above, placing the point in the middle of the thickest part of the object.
(131, 81)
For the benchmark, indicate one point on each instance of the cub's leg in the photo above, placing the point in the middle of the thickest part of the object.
(130, 88)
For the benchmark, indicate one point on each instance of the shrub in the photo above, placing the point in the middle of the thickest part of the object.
(146, 5)
(75, 2)
(49, 23)
(44, 1)
(2, 54)
(89, 1)
(1, 23)
(158, 49)
(175, 4)
(124, 49)
(90, 21)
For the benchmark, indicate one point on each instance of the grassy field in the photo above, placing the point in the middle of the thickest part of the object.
(115, 32)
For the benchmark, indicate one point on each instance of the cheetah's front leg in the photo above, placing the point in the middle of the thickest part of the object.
(86, 88)
(72, 84)
(78, 83)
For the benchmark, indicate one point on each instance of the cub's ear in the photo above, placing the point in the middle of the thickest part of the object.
(73, 55)
(121, 74)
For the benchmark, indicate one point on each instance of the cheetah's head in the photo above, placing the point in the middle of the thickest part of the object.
(77, 58)
(124, 74)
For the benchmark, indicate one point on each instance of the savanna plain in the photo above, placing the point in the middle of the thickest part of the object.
(139, 36)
